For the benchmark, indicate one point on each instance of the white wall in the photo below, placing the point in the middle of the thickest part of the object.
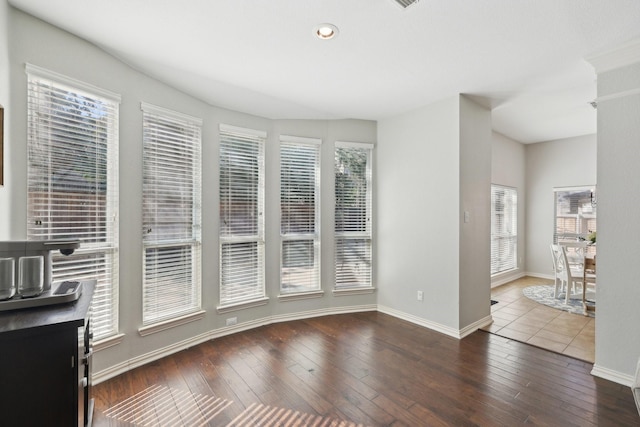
(31, 40)
(508, 168)
(430, 171)
(568, 162)
(618, 305)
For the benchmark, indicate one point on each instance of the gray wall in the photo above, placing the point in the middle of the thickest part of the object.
(508, 166)
(618, 318)
(568, 162)
(31, 40)
(4, 101)
(434, 163)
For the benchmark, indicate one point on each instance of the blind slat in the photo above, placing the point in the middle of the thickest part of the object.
(353, 253)
(241, 215)
(171, 214)
(72, 184)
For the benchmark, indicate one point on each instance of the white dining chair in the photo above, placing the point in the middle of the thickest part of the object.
(570, 275)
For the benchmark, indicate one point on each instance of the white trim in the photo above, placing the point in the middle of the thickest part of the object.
(539, 275)
(346, 144)
(455, 333)
(242, 305)
(300, 295)
(108, 342)
(74, 84)
(621, 56)
(506, 278)
(611, 375)
(154, 109)
(576, 188)
(241, 130)
(300, 140)
(353, 291)
(617, 95)
(469, 329)
(171, 323)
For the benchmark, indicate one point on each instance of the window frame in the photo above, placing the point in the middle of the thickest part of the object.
(509, 230)
(361, 239)
(97, 257)
(313, 285)
(585, 218)
(246, 248)
(171, 150)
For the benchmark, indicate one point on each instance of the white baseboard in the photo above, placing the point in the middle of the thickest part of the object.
(447, 330)
(540, 275)
(135, 362)
(611, 375)
(506, 279)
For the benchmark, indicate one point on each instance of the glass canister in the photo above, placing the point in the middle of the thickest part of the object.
(30, 276)
(7, 278)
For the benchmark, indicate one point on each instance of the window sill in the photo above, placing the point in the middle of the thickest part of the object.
(171, 323)
(242, 305)
(300, 295)
(108, 342)
(353, 291)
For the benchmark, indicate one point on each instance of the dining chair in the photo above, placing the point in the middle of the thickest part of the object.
(588, 281)
(569, 274)
(555, 258)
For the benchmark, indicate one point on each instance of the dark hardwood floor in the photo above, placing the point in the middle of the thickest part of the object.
(370, 369)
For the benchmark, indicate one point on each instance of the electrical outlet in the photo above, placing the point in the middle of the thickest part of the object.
(420, 295)
(232, 321)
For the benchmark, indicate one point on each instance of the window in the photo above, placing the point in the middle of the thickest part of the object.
(170, 214)
(575, 214)
(241, 215)
(504, 229)
(72, 183)
(353, 215)
(299, 212)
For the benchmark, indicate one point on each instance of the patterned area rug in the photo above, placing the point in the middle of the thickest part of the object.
(543, 294)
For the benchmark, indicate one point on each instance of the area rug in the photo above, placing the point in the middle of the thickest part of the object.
(543, 294)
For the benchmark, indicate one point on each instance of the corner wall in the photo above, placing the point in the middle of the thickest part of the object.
(436, 164)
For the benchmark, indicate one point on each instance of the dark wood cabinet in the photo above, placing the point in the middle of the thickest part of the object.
(45, 364)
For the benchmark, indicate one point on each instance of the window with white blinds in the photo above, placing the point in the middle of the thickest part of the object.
(72, 183)
(353, 231)
(575, 214)
(299, 214)
(241, 215)
(504, 228)
(171, 214)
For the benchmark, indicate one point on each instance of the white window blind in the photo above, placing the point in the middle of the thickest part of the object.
(353, 176)
(241, 215)
(72, 183)
(299, 212)
(504, 228)
(171, 214)
(575, 214)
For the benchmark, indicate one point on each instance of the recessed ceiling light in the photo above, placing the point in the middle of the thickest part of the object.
(326, 31)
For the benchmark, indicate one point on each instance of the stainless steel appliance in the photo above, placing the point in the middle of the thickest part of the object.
(32, 250)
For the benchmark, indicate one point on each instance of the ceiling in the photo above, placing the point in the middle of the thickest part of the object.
(522, 58)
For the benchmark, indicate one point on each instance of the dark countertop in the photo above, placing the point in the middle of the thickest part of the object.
(50, 316)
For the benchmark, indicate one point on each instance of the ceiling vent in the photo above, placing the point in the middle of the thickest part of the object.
(405, 3)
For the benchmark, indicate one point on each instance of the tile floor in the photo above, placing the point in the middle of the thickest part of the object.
(519, 318)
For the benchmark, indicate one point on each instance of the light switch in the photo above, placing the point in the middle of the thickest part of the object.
(466, 216)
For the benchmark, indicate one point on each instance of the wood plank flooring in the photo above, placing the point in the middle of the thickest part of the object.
(372, 369)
